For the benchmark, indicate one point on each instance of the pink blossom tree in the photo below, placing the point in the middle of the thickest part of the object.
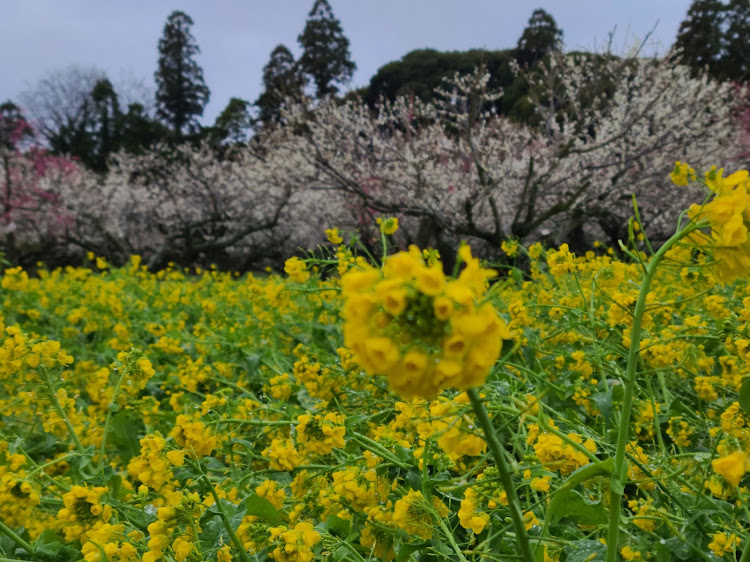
(33, 217)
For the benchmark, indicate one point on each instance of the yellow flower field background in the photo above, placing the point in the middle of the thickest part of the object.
(334, 413)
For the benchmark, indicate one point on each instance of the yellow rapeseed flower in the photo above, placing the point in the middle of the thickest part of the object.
(296, 269)
(682, 174)
(422, 331)
(388, 226)
(732, 467)
(333, 236)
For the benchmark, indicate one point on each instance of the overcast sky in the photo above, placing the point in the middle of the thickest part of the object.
(236, 37)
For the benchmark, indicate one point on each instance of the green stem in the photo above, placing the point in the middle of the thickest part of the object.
(619, 473)
(384, 242)
(38, 467)
(450, 537)
(15, 538)
(378, 449)
(224, 518)
(514, 504)
(60, 411)
(350, 547)
(746, 553)
(110, 408)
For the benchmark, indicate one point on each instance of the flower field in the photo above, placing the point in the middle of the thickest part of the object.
(348, 411)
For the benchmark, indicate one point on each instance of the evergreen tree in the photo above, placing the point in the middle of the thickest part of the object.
(325, 56)
(76, 139)
(419, 72)
(181, 92)
(281, 79)
(540, 37)
(233, 123)
(109, 123)
(736, 60)
(700, 37)
(139, 132)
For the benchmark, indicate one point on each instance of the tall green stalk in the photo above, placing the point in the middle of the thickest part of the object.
(619, 473)
(746, 553)
(60, 411)
(516, 515)
(8, 532)
(222, 513)
(113, 407)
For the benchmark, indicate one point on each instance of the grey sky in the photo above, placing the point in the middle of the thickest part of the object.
(236, 37)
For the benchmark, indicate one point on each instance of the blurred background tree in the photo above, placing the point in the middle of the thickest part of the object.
(325, 59)
(700, 37)
(736, 59)
(232, 126)
(181, 93)
(282, 79)
(62, 110)
(540, 37)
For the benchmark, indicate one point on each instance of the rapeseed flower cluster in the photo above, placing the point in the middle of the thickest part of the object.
(153, 467)
(421, 330)
(728, 215)
(112, 542)
(559, 455)
(193, 436)
(414, 514)
(294, 545)
(297, 270)
(83, 512)
(321, 434)
(480, 499)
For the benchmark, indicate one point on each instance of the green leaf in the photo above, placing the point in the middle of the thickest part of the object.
(407, 550)
(583, 512)
(617, 485)
(261, 507)
(49, 548)
(210, 531)
(517, 275)
(558, 508)
(443, 551)
(338, 526)
(213, 464)
(252, 361)
(414, 479)
(439, 478)
(115, 485)
(675, 548)
(305, 400)
(603, 401)
(122, 433)
(404, 454)
(341, 553)
(6, 544)
(617, 393)
(236, 514)
(14, 444)
(212, 523)
(745, 396)
(581, 551)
